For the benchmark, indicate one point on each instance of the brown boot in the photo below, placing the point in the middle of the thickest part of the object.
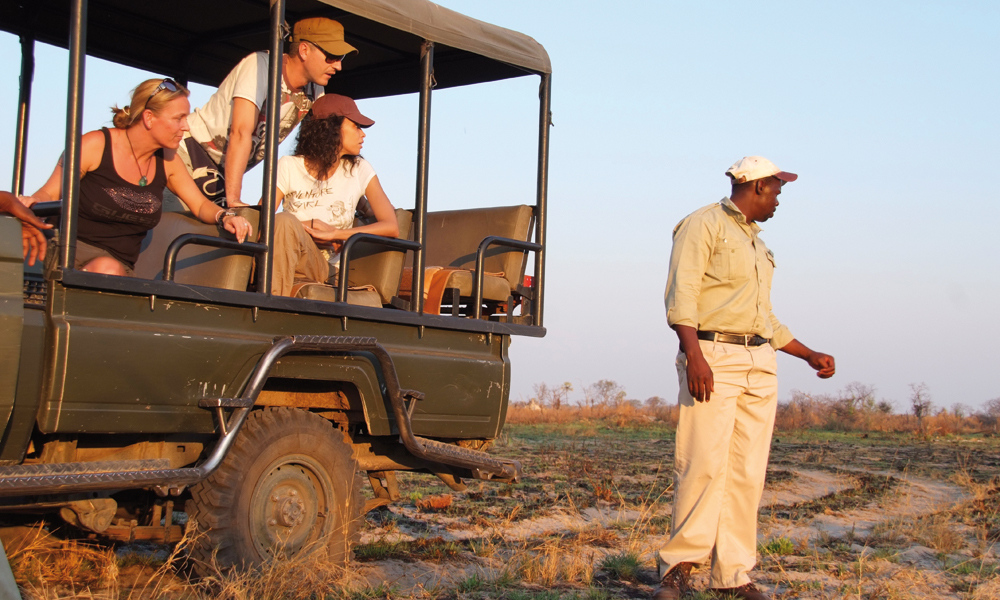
(745, 592)
(675, 583)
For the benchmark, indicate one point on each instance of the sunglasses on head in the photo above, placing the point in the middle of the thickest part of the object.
(330, 58)
(167, 84)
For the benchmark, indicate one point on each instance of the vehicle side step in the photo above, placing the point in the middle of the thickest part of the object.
(47, 478)
(482, 465)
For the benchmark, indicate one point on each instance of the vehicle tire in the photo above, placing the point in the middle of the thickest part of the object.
(288, 485)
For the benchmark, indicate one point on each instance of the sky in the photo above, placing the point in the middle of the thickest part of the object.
(886, 110)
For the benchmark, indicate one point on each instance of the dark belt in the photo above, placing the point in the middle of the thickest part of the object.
(744, 339)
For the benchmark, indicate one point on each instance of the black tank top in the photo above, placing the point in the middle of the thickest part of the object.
(116, 214)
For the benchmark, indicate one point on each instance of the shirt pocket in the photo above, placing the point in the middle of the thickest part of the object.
(730, 259)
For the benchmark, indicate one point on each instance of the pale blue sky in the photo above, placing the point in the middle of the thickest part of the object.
(886, 110)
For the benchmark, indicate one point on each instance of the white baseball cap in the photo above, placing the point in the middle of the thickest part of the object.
(750, 168)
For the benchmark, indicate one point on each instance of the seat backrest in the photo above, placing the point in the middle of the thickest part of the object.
(380, 266)
(197, 265)
(452, 237)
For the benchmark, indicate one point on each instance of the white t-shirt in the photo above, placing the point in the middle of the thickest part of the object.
(332, 201)
(210, 123)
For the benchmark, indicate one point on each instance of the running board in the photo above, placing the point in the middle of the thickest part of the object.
(54, 478)
(482, 465)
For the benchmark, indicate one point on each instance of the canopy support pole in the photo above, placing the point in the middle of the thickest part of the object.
(23, 105)
(272, 117)
(74, 118)
(423, 164)
(542, 193)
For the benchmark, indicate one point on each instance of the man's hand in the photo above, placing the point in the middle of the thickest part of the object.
(823, 363)
(701, 381)
(33, 242)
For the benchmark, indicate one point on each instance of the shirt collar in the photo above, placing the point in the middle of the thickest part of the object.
(738, 216)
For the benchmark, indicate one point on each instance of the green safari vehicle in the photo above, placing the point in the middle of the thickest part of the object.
(189, 386)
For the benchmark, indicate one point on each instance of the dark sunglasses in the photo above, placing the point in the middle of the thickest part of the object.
(167, 84)
(330, 58)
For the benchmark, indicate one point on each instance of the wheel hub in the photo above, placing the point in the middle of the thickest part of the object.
(290, 511)
(289, 507)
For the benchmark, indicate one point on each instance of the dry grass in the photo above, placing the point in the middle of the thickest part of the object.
(586, 521)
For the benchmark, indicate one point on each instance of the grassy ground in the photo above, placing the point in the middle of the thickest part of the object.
(866, 516)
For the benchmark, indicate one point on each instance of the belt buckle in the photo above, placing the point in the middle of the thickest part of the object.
(747, 337)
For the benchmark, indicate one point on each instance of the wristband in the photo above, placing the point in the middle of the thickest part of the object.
(222, 214)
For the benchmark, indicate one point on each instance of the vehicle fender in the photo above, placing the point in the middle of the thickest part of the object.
(357, 370)
(11, 312)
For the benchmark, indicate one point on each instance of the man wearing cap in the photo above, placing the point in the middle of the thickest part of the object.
(227, 133)
(718, 302)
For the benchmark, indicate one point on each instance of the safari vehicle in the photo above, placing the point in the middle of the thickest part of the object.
(190, 387)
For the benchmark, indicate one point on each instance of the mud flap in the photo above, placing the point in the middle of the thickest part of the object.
(11, 312)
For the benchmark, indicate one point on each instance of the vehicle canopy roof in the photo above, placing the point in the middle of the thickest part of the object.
(202, 40)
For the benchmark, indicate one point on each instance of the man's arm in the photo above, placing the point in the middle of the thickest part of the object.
(244, 120)
(33, 242)
(692, 250)
(701, 381)
(823, 363)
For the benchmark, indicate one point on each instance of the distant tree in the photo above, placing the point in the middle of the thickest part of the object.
(960, 410)
(654, 402)
(543, 394)
(560, 395)
(884, 407)
(607, 393)
(990, 413)
(920, 401)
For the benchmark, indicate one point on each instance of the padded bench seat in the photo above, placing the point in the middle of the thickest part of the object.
(452, 238)
(375, 272)
(197, 265)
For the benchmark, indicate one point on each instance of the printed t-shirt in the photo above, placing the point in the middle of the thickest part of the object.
(332, 201)
(210, 124)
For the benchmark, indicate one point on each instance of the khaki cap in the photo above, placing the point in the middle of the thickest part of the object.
(325, 33)
(750, 168)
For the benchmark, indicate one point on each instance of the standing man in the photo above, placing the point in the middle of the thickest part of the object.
(227, 134)
(718, 301)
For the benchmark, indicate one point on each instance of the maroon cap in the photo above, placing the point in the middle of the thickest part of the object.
(335, 105)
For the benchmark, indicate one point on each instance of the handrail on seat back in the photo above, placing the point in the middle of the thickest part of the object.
(367, 261)
(197, 264)
(468, 251)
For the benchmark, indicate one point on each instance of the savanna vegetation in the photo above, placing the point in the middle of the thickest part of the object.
(862, 502)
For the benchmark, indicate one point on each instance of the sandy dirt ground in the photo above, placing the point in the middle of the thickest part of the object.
(856, 516)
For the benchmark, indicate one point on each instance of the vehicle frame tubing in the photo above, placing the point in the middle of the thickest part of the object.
(264, 265)
(74, 126)
(23, 109)
(542, 193)
(423, 166)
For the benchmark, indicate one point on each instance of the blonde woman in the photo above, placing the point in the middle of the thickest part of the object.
(123, 173)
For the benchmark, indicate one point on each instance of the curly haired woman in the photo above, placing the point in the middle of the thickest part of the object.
(320, 187)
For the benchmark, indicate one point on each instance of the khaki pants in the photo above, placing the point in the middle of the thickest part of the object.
(296, 257)
(720, 463)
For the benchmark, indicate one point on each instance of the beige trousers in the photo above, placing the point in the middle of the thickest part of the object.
(720, 462)
(296, 256)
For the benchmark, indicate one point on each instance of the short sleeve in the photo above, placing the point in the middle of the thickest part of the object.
(364, 172)
(251, 79)
(284, 176)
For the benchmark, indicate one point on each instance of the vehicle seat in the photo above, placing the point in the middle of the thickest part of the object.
(451, 240)
(197, 265)
(375, 272)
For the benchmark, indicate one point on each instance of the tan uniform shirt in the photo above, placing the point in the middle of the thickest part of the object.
(720, 275)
